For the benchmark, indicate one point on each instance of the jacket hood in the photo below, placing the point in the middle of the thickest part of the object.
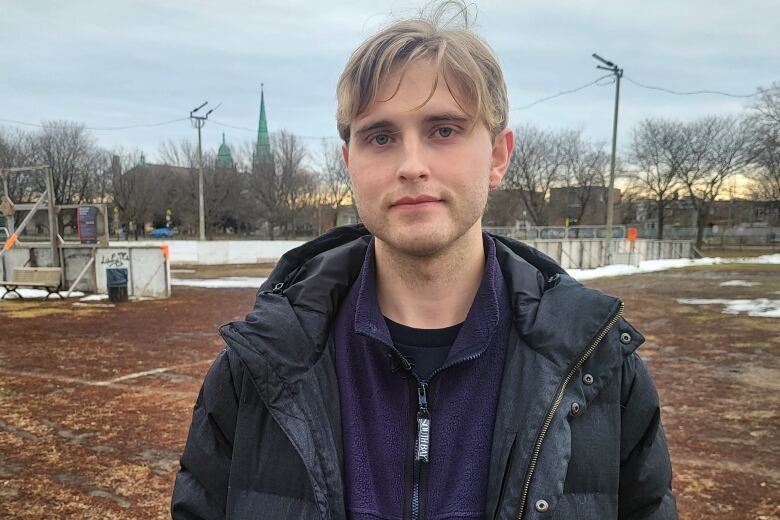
(294, 307)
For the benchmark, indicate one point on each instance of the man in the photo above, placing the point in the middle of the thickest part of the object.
(418, 367)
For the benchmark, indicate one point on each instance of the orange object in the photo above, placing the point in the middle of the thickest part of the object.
(632, 233)
(10, 242)
(166, 252)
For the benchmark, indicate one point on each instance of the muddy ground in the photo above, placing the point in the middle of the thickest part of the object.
(95, 401)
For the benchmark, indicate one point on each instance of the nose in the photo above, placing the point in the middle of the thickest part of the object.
(413, 166)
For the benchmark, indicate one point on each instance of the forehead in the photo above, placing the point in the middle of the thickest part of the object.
(410, 94)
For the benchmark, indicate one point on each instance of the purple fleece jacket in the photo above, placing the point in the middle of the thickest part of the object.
(379, 404)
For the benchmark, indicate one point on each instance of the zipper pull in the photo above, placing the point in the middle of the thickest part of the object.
(423, 424)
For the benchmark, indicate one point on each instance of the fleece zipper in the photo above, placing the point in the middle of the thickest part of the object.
(422, 440)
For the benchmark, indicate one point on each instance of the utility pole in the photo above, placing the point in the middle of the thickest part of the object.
(618, 72)
(198, 122)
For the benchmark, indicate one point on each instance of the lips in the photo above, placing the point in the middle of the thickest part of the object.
(414, 201)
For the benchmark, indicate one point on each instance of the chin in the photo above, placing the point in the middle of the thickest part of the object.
(418, 240)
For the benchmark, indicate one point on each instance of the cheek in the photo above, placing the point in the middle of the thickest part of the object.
(367, 176)
(362, 184)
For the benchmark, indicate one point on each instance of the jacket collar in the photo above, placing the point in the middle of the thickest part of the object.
(291, 320)
(565, 318)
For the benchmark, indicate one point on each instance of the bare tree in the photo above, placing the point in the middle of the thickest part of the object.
(535, 167)
(72, 153)
(183, 154)
(584, 168)
(134, 188)
(767, 106)
(279, 187)
(296, 182)
(764, 120)
(719, 148)
(334, 178)
(659, 151)
(223, 187)
(16, 151)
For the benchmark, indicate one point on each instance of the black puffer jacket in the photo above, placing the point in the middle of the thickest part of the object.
(577, 434)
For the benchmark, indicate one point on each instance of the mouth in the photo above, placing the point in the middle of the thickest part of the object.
(419, 201)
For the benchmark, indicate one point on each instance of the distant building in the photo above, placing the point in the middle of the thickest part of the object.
(347, 214)
(322, 217)
(581, 207)
(507, 208)
(681, 214)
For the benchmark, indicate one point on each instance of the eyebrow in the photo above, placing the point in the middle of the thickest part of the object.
(384, 123)
(453, 117)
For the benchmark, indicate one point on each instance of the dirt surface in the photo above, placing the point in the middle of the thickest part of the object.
(740, 251)
(203, 272)
(95, 401)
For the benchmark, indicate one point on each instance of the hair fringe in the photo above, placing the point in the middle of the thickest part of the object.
(442, 33)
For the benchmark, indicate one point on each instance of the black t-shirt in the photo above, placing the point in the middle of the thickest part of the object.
(425, 349)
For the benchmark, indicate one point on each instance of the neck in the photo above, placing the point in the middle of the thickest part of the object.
(434, 291)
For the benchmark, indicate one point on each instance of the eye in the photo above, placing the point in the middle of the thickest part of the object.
(444, 131)
(381, 139)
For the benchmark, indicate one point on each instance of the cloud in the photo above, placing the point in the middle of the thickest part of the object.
(128, 62)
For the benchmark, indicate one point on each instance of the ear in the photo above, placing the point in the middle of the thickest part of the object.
(503, 145)
(345, 154)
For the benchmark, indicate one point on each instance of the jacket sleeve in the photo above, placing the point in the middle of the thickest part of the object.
(200, 490)
(645, 471)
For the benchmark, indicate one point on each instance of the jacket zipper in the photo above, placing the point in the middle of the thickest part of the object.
(557, 403)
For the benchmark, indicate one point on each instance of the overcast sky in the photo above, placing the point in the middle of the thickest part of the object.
(121, 62)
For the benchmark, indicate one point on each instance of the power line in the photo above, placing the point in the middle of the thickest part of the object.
(690, 93)
(319, 138)
(97, 129)
(254, 130)
(562, 93)
(147, 125)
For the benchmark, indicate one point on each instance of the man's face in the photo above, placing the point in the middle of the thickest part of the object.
(421, 174)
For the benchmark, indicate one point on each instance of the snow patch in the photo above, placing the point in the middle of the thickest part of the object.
(221, 283)
(738, 283)
(650, 266)
(760, 307)
(94, 298)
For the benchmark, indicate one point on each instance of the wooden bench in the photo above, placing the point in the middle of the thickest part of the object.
(33, 277)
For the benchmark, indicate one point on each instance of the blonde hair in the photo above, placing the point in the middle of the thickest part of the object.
(463, 59)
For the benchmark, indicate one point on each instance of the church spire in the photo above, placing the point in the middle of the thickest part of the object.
(263, 146)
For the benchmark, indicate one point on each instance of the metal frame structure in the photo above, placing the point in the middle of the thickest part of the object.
(48, 196)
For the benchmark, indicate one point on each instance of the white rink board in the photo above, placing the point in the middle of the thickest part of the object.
(220, 252)
(148, 274)
(148, 271)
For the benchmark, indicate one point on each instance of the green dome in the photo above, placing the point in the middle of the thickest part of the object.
(224, 157)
